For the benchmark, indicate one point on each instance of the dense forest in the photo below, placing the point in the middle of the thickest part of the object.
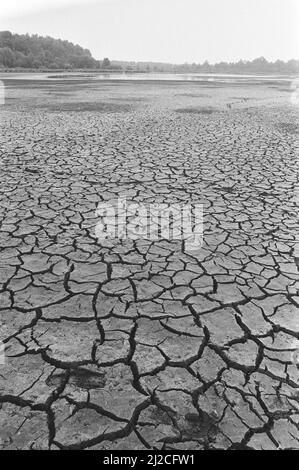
(38, 52)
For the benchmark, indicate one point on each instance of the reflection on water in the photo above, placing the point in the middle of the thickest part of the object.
(199, 77)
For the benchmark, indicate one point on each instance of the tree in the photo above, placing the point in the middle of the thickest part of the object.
(7, 57)
(106, 63)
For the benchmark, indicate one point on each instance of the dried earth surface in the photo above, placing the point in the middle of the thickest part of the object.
(137, 344)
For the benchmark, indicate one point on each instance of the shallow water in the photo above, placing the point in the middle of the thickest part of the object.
(200, 77)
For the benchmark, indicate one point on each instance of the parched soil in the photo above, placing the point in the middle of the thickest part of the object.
(136, 344)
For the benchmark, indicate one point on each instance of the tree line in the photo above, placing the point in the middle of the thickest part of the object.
(257, 66)
(38, 52)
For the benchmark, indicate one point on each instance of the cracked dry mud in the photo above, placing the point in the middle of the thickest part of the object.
(137, 344)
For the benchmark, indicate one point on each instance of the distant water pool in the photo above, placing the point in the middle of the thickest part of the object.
(197, 77)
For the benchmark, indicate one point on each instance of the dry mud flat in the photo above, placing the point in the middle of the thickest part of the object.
(137, 344)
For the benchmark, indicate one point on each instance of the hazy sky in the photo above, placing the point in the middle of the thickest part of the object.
(164, 30)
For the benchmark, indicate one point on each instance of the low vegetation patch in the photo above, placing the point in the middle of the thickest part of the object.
(88, 106)
(289, 127)
(196, 110)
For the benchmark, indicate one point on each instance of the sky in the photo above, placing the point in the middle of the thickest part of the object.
(175, 31)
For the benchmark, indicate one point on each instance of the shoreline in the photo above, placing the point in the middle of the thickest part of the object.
(130, 72)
